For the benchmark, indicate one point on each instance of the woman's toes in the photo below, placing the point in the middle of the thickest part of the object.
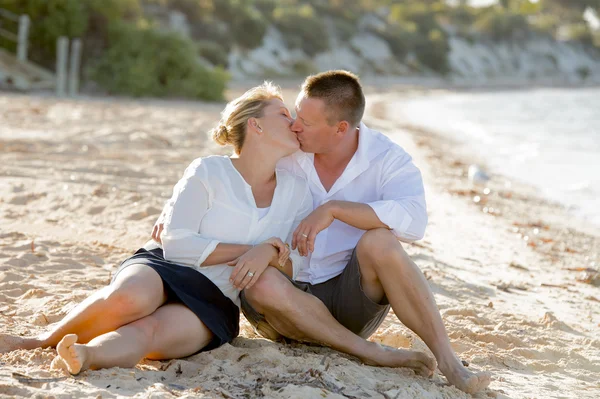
(70, 354)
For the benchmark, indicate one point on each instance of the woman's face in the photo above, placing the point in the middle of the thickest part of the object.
(276, 125)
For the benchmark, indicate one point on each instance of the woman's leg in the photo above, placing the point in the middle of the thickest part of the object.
(173, 331)
(136, 292)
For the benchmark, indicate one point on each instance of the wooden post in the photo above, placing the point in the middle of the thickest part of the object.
(62, 49)
(74, 67)
(23, 37)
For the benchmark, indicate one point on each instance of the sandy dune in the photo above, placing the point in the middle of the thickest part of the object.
(82, 182)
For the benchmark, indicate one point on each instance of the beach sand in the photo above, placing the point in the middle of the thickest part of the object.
(83, 181)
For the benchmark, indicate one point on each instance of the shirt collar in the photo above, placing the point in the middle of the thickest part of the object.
(370, 146)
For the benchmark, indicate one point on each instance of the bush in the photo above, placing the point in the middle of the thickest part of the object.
(248, 27)
(146, 62)
(301, 28)
(433, 51)
(501, 25)
(344, 29)
(583, 72)
(266, 7)
(194, 10)
(401, 38)
(430, 49)
(545, 24)
(214, 53)
(347, 10)
(578, 33)
(223, 21)
(420, 14)
(50, 20)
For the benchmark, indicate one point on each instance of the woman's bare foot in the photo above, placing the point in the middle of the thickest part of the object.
(463, 379)
(9, 343)
(385, 356)
(73, 355)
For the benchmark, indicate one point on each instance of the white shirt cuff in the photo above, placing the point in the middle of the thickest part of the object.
(297, 261)
(206, 253)
(392, 215)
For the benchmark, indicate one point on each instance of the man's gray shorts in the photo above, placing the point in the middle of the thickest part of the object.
(343, 296)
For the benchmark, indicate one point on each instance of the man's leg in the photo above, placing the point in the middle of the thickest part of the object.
(301, 316)
(137, 292)
(172, 331)
(387, 270)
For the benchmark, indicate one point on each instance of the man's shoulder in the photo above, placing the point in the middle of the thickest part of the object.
(382, 145)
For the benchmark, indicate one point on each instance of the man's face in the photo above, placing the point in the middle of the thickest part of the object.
(311, 126)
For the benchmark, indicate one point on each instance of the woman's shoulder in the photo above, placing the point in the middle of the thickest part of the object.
(203, 166)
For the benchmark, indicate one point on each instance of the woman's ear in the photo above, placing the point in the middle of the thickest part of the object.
(253, 123)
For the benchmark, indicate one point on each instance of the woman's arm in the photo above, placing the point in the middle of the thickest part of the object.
(182, 216)
(224, 253)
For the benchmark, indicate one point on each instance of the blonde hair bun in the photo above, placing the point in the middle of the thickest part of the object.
(234, 118)
(221, 134)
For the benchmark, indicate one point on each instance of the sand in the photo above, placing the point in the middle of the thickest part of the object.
(82, 182)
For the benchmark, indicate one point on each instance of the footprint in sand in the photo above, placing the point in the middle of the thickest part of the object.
(96, 210)
(6, 277)
(25, 198)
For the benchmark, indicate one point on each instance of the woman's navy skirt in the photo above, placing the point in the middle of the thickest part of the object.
(196, 291)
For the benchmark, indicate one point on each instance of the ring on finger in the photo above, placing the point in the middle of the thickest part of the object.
(250, 274)
(304, 235)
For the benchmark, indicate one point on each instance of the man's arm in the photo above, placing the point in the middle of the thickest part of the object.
(356, 214)
(401, 207)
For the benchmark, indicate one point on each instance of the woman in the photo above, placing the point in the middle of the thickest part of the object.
(224, 225)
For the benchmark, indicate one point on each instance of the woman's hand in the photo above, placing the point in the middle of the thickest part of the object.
(253, 263)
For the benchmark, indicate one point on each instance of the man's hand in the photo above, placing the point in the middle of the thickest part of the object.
(157, 231)
(253, 263)
(306, 232)
(282, 248)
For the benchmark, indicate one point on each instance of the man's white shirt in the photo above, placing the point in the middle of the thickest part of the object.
(380, 174)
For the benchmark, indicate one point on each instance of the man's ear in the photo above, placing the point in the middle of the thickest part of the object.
(343, 128)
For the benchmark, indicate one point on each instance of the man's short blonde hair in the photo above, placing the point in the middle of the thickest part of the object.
(342, 94)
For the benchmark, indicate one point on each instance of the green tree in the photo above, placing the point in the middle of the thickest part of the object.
(144, 62)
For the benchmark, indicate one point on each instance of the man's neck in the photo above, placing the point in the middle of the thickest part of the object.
(341, 155)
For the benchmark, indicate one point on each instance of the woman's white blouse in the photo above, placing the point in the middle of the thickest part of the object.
(212, 204)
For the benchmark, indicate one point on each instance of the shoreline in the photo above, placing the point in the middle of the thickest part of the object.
(78, 201)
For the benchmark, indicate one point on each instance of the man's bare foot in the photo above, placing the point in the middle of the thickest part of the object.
(385, 356)
(465, 380)
(9, 343)
(73, 355)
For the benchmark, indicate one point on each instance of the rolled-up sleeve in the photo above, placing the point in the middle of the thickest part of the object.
(402, 206)
(306, 207)
(183, 214)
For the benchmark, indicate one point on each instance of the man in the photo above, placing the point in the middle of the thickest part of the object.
(368, 196)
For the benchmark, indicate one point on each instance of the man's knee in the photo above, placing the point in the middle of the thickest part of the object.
(378, 247)
(271, 290)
